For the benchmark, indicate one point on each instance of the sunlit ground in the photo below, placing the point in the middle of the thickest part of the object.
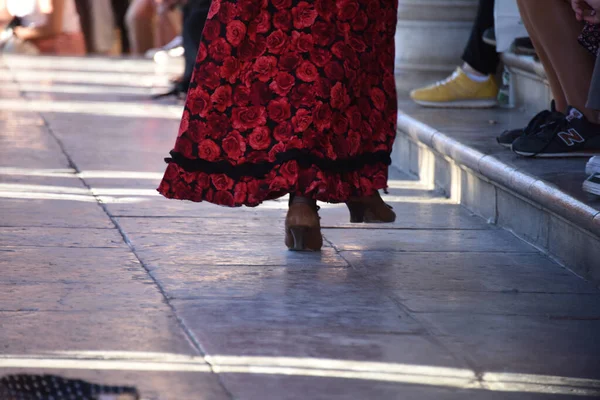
(314, 367)
(135, 195)
(125, 77)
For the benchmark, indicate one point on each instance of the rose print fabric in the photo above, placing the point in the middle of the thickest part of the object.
(590, 38)
(288, 97)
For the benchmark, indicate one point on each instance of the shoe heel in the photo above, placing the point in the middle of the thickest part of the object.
(357, 212)
(299, 238)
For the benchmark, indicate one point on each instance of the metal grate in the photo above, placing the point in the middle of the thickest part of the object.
(51, 387)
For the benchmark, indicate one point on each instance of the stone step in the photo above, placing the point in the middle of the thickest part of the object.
(540, 200)
(530, 90)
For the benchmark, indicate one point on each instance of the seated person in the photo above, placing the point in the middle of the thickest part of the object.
(472, 85)
(573, 128)
(52, 26)
(144, 34)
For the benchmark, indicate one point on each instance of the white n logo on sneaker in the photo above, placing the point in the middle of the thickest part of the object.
(571, 137)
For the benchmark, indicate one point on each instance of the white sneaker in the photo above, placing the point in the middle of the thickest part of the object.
(174, 44)
(593, 166)
(592, 184)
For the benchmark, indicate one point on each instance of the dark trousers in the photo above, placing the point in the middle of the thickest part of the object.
(195, 13)
(86, 23)
(119, 10)
(479, 55)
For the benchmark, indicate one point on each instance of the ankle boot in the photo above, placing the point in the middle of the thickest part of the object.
(370, 209)
(302, 225)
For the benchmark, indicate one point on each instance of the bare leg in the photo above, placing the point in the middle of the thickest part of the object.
(140, 22)
(568, 65)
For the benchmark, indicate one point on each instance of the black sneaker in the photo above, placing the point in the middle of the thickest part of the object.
(572, 136)
(524, 46)
(507, 138)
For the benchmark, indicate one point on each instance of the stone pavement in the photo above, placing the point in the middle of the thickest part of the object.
(104, 280)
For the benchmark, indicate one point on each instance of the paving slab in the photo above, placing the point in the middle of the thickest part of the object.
(258, 387)
(180, 256)
(410, 216)
(69, 265)
(250, 227)
(29, 332)
(65, 213)
(336, 344)
(368, 313)
(421, 240)
(162, 207)
(567, 306)
(522, 344)
(162, 385)
(60, 237)
(471, 272)
(254, 282)
(80, 296)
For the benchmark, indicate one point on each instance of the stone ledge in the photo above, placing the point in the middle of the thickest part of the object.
(530, 87)
(525, 63)
(489, 183)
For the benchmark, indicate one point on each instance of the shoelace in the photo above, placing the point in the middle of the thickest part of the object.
(535, 122)
(449, 79)
(558, 126)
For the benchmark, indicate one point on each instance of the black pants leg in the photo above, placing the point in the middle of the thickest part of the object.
(85, 18)
(119, 10)
(194, 16)
(482, 57)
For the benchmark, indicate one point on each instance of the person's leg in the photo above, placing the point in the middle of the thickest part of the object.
(569, 65)
(85, 18)
(558, 94)
(168, 26)
(473, 84)
(103, 26)
(120, 10)
(594, 95)
(479, 55)
(140, 24)
(195, 14)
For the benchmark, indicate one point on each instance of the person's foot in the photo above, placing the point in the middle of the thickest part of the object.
(592, 184)
(507, 137)
(524, 46)
(459, 91)
(172, 49)
(179, 89)
(593, 166)
(572, 136)
(370, 209)
(302, 225)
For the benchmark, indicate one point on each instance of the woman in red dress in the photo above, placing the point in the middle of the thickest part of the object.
(291, 97)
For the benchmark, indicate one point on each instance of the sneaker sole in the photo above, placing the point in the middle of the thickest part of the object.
(459, 103)
(592, 188)
(557, 155)
(506, 145)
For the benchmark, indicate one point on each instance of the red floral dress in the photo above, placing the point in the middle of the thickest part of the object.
(288, 97)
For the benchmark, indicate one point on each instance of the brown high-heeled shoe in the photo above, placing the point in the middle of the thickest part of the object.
(303, 226)
(370, 209)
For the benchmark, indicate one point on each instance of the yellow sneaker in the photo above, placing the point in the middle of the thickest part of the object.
(458, 90)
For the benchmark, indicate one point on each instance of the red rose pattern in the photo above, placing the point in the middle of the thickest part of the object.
(280, 82)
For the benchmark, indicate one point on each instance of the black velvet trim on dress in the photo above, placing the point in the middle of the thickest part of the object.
(260, 170)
